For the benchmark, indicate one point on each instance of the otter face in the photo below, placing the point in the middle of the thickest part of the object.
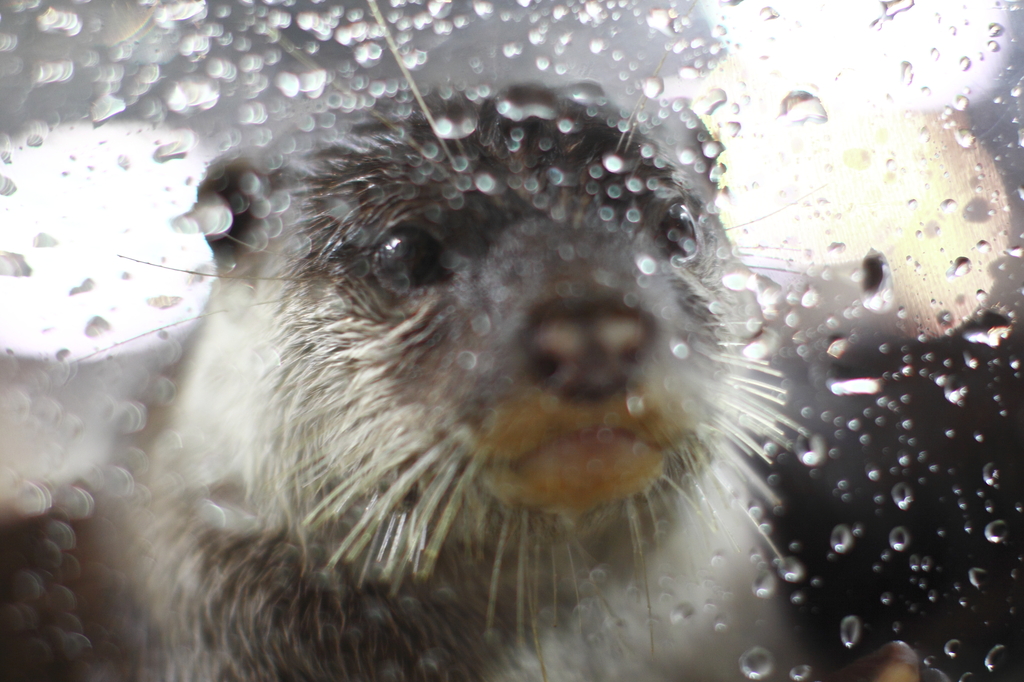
(533, 320)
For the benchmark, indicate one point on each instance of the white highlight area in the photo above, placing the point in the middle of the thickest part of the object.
(922, 55)
(71, 210)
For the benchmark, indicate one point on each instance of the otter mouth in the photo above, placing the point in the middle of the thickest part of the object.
(575, 472)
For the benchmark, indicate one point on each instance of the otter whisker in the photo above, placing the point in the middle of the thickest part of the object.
(747, 363)
(492, 592)
(754, 411)
(440, 531)
(627, 138)
(389, 566)
(339, 498)
(393, 48)
(654, 517)
(740, 438)
(385, 541)
(356, 540)
(534, 599)
(789, 270)
(636, 533)
(369, 556)
(432, 497)
(554, 590)
(718, 526)
(157, 330)
(788, 206)
(684, 495)
(576, 588)
(521, 577)
(768, 391)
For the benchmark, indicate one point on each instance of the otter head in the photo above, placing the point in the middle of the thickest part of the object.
(528, 321)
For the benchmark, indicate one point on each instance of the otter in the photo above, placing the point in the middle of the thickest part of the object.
(475, 398)
(467, 367)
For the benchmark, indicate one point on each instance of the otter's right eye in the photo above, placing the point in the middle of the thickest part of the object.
(409, 257)
(680, 230)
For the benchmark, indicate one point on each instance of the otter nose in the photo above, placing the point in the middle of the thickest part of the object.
(588, 352)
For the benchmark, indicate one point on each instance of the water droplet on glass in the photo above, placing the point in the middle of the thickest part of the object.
(368, 53)
(960, 267)
(965, 138)
(710, 102)
(812, 452)
(902, 495)
(907, 73)
(876, 282)
(899, 538)
(14, 265)
(995, 30)
(613, 163)
(178, 149)
(737, 279)
(485, 182)
(586, 92)
(953, 388)
(997, 531)
(32, 499)
(521, 102)
(799, 107)
(455, 125)
(653, 86)
(977, 576)
(792, 569)
(44, 241)
(850, 631)
(680, 613)
(952, 647)
(948, 206)
(756, 663)
(53, 72)
(660, 20)
(842, 539)
(711, 149)
(764, 585)
(800, 673)
(761, 347)
(995, 657)
(7, 186)
(990, 474)
(768, 13)
(96, 326)
(59, 21)
(482, 8)
(965, 63)
(106, 106)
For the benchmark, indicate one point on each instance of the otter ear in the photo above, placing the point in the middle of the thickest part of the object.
(239, 208)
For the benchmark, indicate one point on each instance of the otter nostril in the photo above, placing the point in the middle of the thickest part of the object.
(563, 339)
(619, 335)
(588, 352)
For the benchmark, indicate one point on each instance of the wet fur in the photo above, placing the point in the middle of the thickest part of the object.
(320, 507)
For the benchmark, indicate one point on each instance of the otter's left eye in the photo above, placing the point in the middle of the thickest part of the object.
(680, 230)
(409, 257)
